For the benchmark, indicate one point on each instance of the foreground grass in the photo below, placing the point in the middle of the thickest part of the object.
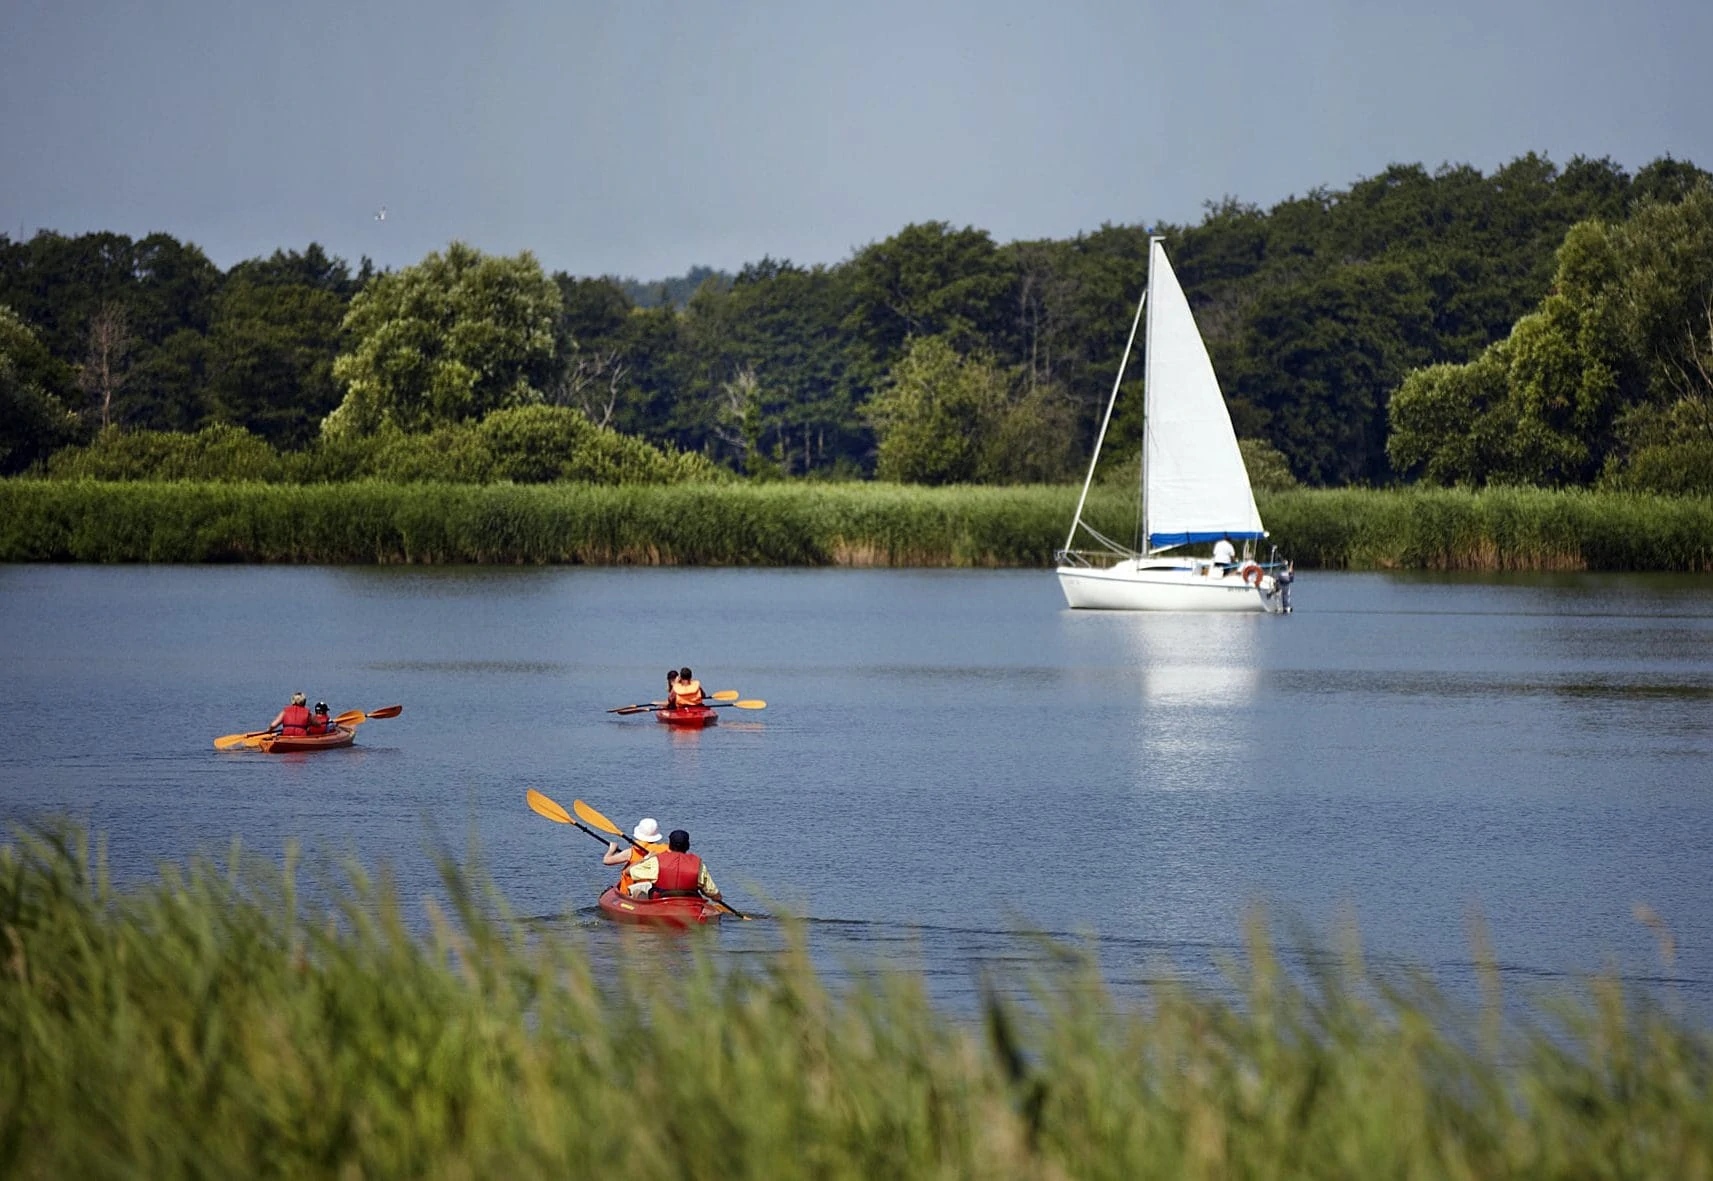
(812, 525)
(212, 1024)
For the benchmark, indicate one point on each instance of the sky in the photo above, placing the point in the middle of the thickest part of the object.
(640, 138)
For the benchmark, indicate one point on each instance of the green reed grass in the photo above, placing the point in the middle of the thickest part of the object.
(803, 524)
(213, 1023)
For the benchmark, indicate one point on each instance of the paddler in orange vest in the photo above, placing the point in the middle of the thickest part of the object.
(293, 720)
(688, 690)
(647, 834)
(675, 873)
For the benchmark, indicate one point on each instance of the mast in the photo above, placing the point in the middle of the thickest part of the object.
(1154, 241)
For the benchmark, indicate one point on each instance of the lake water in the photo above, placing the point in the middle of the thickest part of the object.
(948, 759)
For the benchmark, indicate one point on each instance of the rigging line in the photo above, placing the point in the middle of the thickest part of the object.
(1070, 538)
(1107, 541)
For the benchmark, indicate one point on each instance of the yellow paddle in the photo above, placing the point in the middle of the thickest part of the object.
(550, 808)
(356, 717)
(750, 703)
(599, 821)
(233, 741)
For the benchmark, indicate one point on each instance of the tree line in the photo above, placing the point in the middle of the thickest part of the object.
(1501, 309)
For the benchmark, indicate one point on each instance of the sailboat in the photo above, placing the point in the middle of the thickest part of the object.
(1195, 488)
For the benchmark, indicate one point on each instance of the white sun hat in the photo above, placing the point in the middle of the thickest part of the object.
(647, 831)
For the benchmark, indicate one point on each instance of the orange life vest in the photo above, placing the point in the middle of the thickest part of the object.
(687, 693)
(294, 720)
(636, 855)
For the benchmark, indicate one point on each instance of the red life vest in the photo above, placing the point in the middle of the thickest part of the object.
(680, 874)
(294, 720)
(318, 724)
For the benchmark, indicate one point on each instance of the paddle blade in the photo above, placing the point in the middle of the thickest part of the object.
(726, 695)
(751, 703)
(590, 816)
(387, 711)
(234, 741)
(546, 807)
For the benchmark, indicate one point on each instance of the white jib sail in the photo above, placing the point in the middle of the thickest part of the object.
(1198, 488)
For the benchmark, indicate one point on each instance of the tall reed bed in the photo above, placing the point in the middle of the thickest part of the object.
(813, 524)
(717, 524)
(214, 1023)
(1493, 529)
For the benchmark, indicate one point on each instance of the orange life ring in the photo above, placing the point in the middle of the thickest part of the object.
(1252, 574)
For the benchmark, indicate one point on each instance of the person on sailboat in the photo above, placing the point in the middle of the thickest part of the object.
(1224, 553)
(1283, 580)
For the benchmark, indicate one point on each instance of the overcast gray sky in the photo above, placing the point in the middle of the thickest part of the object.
(642, 137)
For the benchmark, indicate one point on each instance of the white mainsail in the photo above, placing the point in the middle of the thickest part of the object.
(1197, 488)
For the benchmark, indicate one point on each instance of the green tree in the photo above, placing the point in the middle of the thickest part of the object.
(1592, 375)
(1441, 421)
(270, 356)
(767, 366)
(447, 340)
(166, 389)
(935, 414)
(590, 344)
(931, 280)
(33, 420)
(1322, 357)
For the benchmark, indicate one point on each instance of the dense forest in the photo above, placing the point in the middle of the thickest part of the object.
(1538, 325)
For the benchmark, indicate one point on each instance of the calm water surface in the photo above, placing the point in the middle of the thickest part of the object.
(947, 760)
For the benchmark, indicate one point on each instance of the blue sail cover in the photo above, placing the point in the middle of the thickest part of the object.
(1163, 541)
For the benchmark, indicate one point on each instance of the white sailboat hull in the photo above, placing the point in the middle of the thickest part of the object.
(1143, 585)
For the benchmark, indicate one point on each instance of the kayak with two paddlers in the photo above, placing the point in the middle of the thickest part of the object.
(297, 730)
(666, 886)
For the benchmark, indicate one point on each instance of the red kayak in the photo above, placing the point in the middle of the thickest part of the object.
(281, 744)
(691, 911)
(689, 715)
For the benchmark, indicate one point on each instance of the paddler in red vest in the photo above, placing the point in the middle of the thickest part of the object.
(688, 690)
(318, 721)
(675, 873)
(647, 834)
(293, 720)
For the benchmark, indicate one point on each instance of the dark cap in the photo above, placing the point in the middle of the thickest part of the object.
(678, 841)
